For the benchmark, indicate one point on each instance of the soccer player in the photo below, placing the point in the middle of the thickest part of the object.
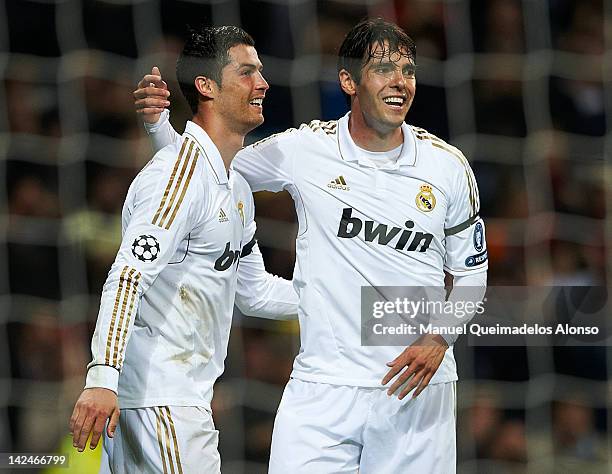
(379, 203)
(187, 250)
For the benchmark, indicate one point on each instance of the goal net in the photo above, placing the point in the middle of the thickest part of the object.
(522, 87)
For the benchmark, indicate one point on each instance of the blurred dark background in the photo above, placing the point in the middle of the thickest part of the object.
(522, 87)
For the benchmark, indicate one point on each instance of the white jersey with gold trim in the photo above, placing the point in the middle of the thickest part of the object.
(359, 225)
(165, 315)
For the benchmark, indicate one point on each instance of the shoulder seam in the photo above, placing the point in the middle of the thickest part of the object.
(330, 127)
(274, 135)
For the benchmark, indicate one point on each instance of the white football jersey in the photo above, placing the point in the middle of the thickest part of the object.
(359, 225)
(165, 315)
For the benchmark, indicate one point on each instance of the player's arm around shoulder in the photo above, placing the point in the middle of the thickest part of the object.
(151, 98)
(269, 164)
(259, 293)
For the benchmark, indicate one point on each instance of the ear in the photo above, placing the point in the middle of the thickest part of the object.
(205, 86)
(348, 85)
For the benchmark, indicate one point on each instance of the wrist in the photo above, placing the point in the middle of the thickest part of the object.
(440, 340)
(153, 127)
(102, 376)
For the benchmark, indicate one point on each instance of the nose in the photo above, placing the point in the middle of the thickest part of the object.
(398, 80)
(262, 84)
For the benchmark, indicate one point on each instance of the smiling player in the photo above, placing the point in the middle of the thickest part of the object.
(379, 203)
(187, 250)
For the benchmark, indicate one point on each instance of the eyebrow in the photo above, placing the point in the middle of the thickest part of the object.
(251, 66)
(381, 63)
(390, 63)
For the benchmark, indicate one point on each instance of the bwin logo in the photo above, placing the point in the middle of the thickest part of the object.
(382, 234)
(227, 258)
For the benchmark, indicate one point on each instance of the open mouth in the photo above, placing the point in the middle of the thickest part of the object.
(258, 102)
(396, 102)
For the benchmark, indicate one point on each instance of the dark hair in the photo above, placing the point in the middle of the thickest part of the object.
(206, 53)
(361, 41)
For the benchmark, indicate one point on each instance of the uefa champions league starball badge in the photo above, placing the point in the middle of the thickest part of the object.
(145, 248)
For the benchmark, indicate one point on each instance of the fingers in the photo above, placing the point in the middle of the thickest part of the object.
(73, 418)
(83, 434)
(98, 429)
(397, 364)
(423, 384)
(151, 96)
(159, 81)
(77, 426)
(153, 80)
(151, 92)
(155, 102)
(392, 373)
(399, 381)
(418, 377)
(112, 424)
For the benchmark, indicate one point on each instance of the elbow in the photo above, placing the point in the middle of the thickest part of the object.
(249, 306)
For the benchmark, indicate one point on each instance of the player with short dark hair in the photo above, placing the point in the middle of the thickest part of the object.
(379, 203)
(206, 53)
(165, 314)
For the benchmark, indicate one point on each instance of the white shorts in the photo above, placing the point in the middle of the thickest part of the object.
(323, 429)
(162, 440)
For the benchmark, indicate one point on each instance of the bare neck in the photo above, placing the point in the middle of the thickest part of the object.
(371, 139)
(228, 142)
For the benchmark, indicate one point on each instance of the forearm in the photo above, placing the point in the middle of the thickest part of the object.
(161, 133)
(275, 299)
(261, 294)
(119, 305)
(471, 289)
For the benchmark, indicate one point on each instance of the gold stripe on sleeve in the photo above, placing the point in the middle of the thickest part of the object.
(111, 329)
(124, 300)
(180, 201)
(463, 161)
(129, 316)
(176, 449)
(422, 134)
(170, 181)
(176, 186)
(159, 439)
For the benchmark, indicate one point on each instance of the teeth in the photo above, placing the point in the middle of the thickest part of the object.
(394, 100)
(257, 101)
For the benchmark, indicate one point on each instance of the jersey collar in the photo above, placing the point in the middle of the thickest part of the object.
(210, 151)
(349, 151)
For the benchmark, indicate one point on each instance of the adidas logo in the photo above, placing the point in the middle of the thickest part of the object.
(223, 216)
(339, 183)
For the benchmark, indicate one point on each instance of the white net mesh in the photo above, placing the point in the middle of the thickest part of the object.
(519, 86)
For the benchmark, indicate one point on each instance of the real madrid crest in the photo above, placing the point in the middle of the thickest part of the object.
(240, 207)
(425, 200)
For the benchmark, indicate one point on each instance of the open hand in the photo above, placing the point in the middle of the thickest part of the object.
(422, 360)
